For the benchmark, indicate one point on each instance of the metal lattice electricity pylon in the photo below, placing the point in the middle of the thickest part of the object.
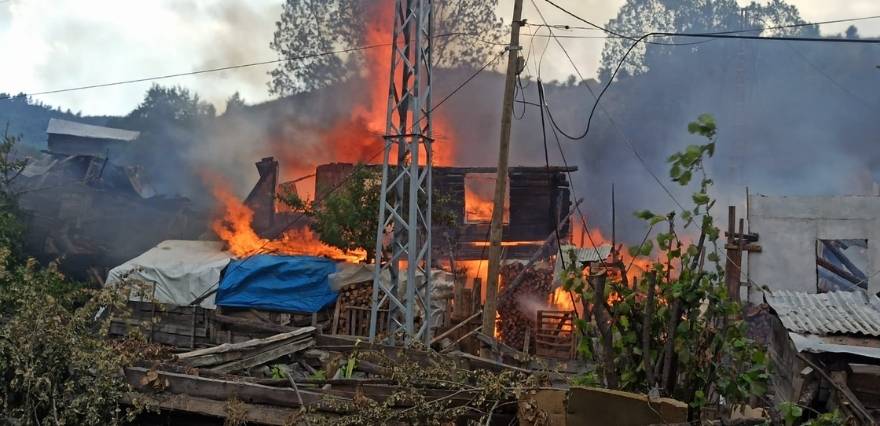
(405, 201)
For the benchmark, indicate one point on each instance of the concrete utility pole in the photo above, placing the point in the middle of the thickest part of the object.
(491, 306)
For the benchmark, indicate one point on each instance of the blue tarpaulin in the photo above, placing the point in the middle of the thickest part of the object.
(278, 283)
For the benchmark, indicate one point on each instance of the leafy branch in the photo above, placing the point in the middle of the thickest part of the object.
(673, 331)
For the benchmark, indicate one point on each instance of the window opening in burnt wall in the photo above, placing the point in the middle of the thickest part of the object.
(841, 265)
(479, 191)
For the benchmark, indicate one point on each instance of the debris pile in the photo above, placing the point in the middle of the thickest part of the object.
(304, 377)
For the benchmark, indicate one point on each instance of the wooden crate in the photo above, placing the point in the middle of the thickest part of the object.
(554, 335)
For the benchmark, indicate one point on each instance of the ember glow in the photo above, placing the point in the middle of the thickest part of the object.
(561, 300)
(235, 228)
(479, 194)
(635, 266)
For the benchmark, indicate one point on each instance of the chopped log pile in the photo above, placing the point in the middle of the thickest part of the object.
(352, 314)
(518, 307)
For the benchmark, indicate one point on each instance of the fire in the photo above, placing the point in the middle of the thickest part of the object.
(635, 266)
(477, 209)
(561, 300)
(360, 134)
(235, 228)
(614, 297)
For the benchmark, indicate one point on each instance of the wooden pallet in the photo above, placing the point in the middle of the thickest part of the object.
(554, 335)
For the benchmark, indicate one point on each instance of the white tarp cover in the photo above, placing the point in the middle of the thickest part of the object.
(180, 271)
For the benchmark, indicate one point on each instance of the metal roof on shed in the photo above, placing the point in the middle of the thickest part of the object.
(838, 312)
(72, 128)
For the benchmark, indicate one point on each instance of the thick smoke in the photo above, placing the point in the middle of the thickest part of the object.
(794, 119)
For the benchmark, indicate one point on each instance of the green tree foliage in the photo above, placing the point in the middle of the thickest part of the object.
(10, 169)
(27, 118)
(637, 17)
(235, 104)
(170, 105)
(346, 218)
(674, 330)
(55, 364)
(311, 27)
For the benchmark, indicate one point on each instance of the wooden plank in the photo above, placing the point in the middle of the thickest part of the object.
(161, 327)
(253, 413)
(218, 390)
(488, 364)
(456, 327)
(264, 356)
(250, 323)
(250, 344)
(212, 359)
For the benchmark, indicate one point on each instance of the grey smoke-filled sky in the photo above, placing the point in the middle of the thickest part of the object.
(56, 44)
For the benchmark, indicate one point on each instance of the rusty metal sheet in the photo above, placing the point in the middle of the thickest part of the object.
(838, 312)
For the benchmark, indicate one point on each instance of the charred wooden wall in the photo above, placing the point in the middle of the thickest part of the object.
(538, 198)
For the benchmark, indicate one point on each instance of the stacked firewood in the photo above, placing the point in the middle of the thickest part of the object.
(358, 294)
(518, 307)
(352, 315)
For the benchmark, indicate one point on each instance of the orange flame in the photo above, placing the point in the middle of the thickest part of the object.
(635, 266)
(561, 300)
(614, 297)
(235, 228)
(360, 135)
(477, 209)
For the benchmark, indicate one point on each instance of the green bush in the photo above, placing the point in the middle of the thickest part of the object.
(56, 364)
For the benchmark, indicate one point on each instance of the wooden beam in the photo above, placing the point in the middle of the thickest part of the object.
(248, 345)
(253, 413)
(255, 324)
(264, 356)
(456, 327)
(218, 390)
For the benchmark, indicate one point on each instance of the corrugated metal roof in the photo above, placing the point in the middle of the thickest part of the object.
(583, 254)
(838, 312)
(587, 254)
(64, 127)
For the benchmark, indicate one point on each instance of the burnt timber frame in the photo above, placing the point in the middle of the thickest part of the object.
(538, 196)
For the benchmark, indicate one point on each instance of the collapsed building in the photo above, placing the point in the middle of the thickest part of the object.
(89, 212)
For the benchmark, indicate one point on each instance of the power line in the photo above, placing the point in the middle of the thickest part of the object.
(203, 71)
(775, 38)
(722, 33)
(543, 106)
(715, 35)
(468, 80)
(226, 68)
(614, 124)
(829, 77)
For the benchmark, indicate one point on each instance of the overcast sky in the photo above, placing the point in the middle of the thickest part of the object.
(56, 44)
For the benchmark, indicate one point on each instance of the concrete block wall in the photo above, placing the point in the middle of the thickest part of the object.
(789, 228)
